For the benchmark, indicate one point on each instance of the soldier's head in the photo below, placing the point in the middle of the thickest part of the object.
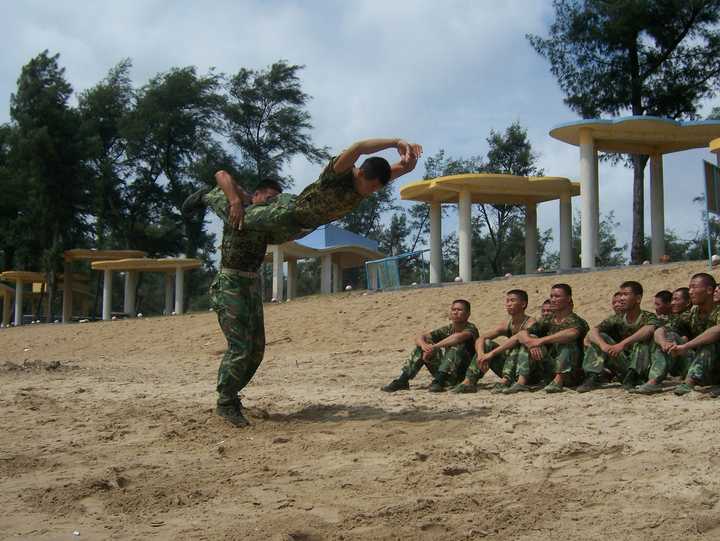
(516, 301)
(459, 311)
(701, 288)
(561, 298)
(716, 295)
(663, 303)
(631, 293)
(372, 175)
(546, 309)
(266, 189)
(681, 300)
(617, 303)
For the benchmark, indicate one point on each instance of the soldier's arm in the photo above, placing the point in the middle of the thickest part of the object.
(423, 341)
(595, 338)
(236, 196)
(369, 146)
(489, 335)
(661, 339)
(561, 337)
(709, 336)
(454, 339)
(641, 335)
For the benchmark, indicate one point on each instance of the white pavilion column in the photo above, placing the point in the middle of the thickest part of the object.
(336, 277)
(292, 279)
(596, 211)
(326, 274)
(530, 238)
(589, 194)
(435, 242)
(168, 293)
(278, 276)
(565, 231)
(657, 208)
(465, 235)
(107, 295)
(18, 303)
(179, 290)
(7, 300)
(129, 304)
(67, 293)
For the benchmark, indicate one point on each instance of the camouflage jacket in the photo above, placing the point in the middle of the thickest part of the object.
(619, 328)
(548, 326)
(692, 323)
(443, 332)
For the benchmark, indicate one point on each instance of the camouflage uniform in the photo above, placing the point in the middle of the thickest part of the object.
(613, 330)
(699, 364)
(557, 358)
(288, 217)
(504, 365)
(451, 361)
(235, 297)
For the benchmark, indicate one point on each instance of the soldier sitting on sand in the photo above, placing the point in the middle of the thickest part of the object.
(622, 343)
(663, 304)
(501, 359)
(446, 352)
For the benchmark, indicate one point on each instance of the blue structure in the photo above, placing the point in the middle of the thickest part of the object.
(330, 236)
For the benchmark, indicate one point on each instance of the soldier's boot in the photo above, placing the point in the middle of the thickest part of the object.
(401, 383)
(592, 382)
(438, 383)
(194, 201)
(464, 388)
(500, 386)
(554, 387)
(631, 380)
(516, 388)
(647, 388)
(684, 388)
(232, 413)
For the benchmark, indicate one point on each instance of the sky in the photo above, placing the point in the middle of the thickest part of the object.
(442, 74)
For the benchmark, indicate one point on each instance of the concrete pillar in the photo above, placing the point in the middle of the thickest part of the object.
(435, 242)
(67, 293)
(19, 302)
(168, 293)
(372, 278)
(657, 208)
(596, 211)
(531, 238)
(589, 195)
(465, 236)
(278, 279)
(292, 278)
(565, 231)
(179, 291)
(129, 304)
(107, 295)
(336, 277)
(326, 274)
(7, 303)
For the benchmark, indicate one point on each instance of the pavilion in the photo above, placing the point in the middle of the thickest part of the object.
(466, 189)
(337, 249)
(646, 135)
(715, 149)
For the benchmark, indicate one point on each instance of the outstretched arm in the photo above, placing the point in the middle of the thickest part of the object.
(369, 146)
(235, 194)
(405, 166)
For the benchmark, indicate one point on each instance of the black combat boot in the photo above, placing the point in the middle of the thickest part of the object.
(401, 383)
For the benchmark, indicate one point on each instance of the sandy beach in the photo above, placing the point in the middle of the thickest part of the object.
(108, 429)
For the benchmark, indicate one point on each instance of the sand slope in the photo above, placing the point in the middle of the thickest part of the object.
(108, 429)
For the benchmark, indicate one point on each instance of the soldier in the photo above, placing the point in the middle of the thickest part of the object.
(617, 303)
(694, 359)
(339, 189)
(663, 304)
(235, 297)
(621, 343)
(545, 309)
(446, 352)
(552, 346)
(681, 301)
(501, 359)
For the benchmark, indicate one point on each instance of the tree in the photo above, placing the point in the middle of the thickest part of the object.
(646, 57)
(267, 121)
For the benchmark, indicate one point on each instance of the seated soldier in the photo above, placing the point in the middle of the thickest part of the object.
(681, 349)
(621, 343)
(546, 309)
(716, 295)
(663, 304)
(681, 301)
(617, 303)
(552, 346)
(446, 352)
(501, 359)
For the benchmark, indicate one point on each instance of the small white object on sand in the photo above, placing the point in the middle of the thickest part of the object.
(348, 287)
(508, 275)
(458, 279)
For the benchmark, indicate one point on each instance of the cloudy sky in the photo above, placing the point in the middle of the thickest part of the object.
(439, 73)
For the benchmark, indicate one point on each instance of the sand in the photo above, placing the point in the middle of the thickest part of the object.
(108, 430)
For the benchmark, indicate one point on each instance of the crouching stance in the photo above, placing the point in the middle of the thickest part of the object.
(621, 345)
(501, 359)
(552, 346)
(446, 352)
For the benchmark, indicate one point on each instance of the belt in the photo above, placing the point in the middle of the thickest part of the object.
(236, 272)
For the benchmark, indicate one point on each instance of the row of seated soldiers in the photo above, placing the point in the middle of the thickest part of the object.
(638, 348)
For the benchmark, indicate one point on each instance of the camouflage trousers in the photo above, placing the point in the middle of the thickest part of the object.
(451, 361)
(504, 365)
(557, 359)
(277, 216)
(700, 364)
(638, 358)
(238, 304)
